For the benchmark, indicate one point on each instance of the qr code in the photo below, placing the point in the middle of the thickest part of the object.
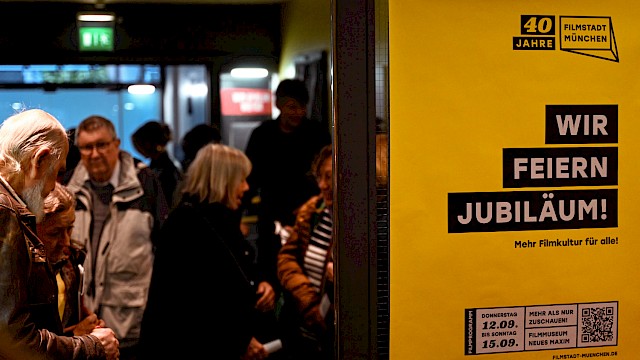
(597, 324)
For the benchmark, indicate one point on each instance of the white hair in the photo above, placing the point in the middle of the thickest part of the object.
(24, 133)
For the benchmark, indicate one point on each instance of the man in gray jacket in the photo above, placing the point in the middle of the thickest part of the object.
(120, 209)
(33, 148)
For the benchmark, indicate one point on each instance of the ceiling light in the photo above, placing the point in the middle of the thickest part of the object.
(249, 73)
(141, 89)
(197, 90)
(96, 17)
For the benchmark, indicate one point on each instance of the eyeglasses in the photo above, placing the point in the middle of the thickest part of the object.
(101, 146)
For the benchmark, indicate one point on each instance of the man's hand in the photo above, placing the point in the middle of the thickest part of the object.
(109, 341)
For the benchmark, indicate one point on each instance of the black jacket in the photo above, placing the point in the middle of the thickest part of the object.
(202, 297)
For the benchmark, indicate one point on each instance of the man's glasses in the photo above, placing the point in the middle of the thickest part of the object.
(100, 146)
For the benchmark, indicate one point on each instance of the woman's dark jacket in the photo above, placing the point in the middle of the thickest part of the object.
(168, 174)
(202, 296)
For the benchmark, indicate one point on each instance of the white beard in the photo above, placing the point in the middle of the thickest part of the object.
(35, 201)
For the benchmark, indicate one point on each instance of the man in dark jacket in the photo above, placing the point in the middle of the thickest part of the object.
(33, 148)
(281, 152)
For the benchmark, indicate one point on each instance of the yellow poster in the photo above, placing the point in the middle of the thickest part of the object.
(514, 188)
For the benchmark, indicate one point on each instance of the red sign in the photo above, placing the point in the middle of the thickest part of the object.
(245, 102)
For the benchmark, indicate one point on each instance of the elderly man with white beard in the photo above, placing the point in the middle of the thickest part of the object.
(33, 150)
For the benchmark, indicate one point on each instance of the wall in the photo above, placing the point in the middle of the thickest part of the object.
(306, 27)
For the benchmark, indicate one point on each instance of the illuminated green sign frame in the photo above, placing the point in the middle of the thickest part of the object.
(95, 38)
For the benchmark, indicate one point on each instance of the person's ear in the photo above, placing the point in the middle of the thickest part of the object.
(40, 161)
(279, 103)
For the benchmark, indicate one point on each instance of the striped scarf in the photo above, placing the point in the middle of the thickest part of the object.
(315, 257)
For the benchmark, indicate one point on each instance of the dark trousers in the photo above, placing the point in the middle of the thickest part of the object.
(299, 343)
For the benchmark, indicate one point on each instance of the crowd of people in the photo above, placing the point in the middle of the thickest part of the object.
(103, 256)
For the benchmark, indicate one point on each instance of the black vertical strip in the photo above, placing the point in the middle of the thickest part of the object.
(470, 332)
(353, 85)
(382, 234)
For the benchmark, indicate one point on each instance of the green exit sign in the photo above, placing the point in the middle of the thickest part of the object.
(98, 38)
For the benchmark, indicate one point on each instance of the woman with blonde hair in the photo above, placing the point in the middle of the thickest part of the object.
(203, 273)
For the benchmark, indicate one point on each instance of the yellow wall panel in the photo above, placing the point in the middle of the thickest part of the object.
(468, 104)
